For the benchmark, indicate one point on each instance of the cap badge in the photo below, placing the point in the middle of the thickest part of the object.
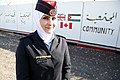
(52, 12)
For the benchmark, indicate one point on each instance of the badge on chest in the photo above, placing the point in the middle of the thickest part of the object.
(42, 59)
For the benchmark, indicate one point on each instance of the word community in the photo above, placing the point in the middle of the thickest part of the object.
(99, 30)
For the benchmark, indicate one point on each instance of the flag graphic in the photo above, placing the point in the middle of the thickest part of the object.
(74, 17)
(61, 17)
(65, 25)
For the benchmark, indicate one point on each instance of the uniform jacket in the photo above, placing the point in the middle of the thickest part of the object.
(55, 68)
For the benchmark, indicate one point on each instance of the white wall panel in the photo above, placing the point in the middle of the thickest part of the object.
(96, 22)
(101, 23)
(69, 28)
(24, 13)
(118, 41)
(2, 21)
(10, 17)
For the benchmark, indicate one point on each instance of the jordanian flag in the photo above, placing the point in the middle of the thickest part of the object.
(74, 17)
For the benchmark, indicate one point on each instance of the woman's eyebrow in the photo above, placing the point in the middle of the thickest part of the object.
(46, 15)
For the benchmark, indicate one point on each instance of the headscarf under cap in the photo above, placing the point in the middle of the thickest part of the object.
(45, 36)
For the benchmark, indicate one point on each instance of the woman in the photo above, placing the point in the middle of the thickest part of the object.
(42, 55)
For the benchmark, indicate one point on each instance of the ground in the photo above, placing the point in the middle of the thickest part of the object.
(7, 65)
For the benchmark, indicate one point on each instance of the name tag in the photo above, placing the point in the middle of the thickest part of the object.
(42, 59)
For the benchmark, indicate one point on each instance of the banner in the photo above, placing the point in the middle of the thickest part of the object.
(101, 25)
(69, 19)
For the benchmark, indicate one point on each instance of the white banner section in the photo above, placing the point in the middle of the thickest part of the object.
(2, 21)
(101, 22)
(10, 17)
(25, 15)
(69, 19)
(118, 41)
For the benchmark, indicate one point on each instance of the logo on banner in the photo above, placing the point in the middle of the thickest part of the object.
(66, 21)
(62, 24)
(105, 18)
(74, 17)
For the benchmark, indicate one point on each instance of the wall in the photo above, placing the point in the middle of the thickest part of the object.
(90, 22)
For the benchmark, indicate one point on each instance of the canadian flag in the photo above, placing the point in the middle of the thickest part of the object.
(65, 25)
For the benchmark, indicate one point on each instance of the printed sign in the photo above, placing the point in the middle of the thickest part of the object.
(118, 40)
(10, 17)
(2, 22)
(101, 25)
(25, 17)
(69, 19)
(90, 22)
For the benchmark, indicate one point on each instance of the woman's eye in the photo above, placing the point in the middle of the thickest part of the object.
(53, 18)
(46, 18)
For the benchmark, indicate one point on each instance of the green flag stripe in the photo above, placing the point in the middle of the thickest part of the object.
(75, 20)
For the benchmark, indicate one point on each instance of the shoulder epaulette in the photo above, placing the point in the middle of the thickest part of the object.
(26, 36)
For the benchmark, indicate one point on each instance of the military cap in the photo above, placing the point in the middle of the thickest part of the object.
(47, 7)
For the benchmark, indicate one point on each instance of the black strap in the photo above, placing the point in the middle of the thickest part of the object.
(30, 48)
(31, 52)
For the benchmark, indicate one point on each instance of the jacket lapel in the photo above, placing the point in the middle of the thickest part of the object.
(38, 42)
(54, 44)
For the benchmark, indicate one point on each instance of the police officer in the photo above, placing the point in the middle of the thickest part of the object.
(43, 55)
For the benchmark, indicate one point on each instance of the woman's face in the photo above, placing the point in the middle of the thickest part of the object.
(48, 23)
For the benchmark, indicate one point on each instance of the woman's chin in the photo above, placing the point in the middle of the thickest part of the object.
(49, 32)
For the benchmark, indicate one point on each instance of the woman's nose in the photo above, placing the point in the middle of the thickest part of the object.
(50, 21)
